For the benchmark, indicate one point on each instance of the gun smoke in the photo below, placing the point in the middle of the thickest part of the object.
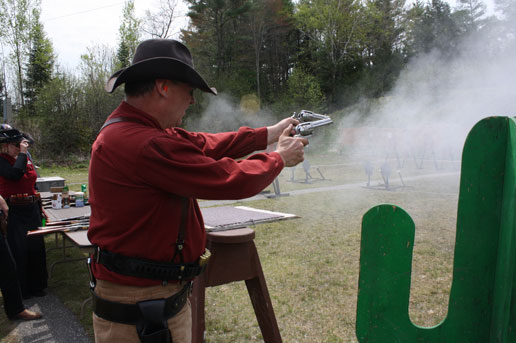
(436, 101)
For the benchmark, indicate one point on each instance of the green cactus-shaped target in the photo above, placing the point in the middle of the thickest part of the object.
(482, 305)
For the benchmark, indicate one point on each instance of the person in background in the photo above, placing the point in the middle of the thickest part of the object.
(145, 177)
(17, 186)
(11, 293)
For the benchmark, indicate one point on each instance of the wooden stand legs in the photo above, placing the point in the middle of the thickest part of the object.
(234, 258)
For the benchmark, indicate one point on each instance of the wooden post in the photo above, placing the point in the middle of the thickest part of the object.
(234, 258)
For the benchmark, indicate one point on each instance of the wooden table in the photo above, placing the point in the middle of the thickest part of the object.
(58, 215)
(64, 213)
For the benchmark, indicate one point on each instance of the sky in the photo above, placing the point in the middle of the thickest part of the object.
(75, 25)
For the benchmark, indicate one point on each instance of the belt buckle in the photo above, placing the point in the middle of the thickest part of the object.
(204, 258)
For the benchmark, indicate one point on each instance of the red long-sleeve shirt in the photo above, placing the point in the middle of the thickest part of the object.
(17, 176)
(140, 173)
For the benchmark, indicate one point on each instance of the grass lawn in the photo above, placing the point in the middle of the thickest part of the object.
(311, 263)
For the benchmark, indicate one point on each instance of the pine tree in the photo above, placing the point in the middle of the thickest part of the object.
(40, 64)
(384, 58)
(470, 15)
(129, 36)
(435, 28)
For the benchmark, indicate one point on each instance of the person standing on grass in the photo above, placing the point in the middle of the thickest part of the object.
(17, 186)
(145, 176)
(11, 293)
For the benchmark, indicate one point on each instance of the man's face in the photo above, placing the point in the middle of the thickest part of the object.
(180, 98)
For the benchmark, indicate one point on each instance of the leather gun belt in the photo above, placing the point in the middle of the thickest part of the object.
(131, 313)
(24, 199)
(145, 268)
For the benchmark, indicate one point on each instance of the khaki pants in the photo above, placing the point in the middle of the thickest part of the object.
(180, 325)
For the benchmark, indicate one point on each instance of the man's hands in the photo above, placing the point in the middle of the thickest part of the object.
(3, 206)
(291, 149)
(24, 146)
(275, 131)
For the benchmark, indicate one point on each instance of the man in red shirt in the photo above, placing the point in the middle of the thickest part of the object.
(145, 176)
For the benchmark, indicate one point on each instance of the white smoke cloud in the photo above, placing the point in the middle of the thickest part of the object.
(225, 113)
(436, 101)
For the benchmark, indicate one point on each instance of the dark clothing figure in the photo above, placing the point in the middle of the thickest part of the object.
(18, 178)
(28, 252)
(8, 281)
(17, 175)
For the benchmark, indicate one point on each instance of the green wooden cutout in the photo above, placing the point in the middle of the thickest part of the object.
(482, 306)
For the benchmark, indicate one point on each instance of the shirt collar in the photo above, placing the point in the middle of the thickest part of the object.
(129, 111)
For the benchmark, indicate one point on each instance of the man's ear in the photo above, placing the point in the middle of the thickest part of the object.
(162, 87)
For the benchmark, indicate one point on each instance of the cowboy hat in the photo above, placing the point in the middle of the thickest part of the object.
(10, 135)
(160, 59)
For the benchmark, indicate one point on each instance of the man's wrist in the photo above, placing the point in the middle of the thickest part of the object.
(272, 135)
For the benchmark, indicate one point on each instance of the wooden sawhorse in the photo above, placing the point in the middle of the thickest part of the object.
(234, 258)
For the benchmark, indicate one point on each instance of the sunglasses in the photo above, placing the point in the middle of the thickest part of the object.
(15, 144)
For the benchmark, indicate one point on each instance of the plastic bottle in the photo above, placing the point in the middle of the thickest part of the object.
(79, 199)
(57, 202)
(66, 197)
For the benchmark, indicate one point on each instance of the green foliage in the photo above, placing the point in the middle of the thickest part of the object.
(470, 16)
(129, 36)
(304, 92)
(96, 67)
(237, 84)
(434, 28)
(15, 27)
(332, 37)
(218, 25)
(40, 64)
(383, 36)
(59, 107)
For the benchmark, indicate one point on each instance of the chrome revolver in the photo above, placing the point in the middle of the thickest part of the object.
(308, 122)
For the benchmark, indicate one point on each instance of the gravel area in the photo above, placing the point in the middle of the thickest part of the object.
(58, 324)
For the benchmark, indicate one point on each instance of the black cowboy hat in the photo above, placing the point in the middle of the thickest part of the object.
(160, 59)
(10, 136)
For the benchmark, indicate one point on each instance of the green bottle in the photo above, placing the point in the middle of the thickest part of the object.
(84, 189)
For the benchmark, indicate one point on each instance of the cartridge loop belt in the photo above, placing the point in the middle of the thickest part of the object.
(24, 199)
(149, 269)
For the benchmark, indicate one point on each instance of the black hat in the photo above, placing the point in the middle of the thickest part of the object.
(10, 136)
(160, 59)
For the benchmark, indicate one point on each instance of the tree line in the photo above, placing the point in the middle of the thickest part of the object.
(284, 55)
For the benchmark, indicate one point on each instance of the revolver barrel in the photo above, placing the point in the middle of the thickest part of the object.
(309, 121)
(305, 116)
